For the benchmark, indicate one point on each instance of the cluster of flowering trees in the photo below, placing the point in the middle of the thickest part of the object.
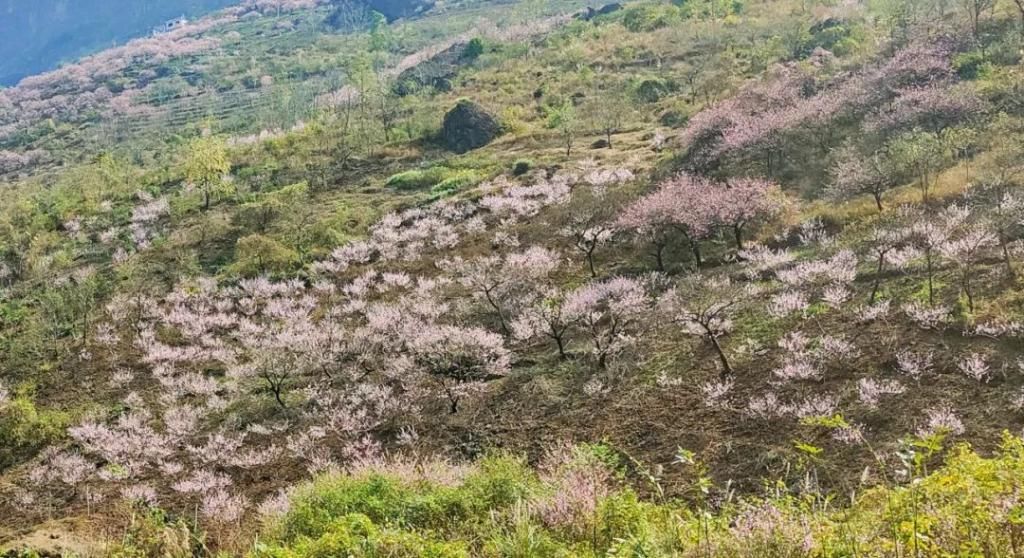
(339, 358)
(12, 161)
(77, 91)
(335, 367)
(274, 7)
(695, 207)
(73, 91)
(794, 108)
(222, 381)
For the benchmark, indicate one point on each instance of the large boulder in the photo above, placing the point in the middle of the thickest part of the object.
(468, 126)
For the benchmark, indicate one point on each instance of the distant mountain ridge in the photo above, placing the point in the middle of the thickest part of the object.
(39, 35)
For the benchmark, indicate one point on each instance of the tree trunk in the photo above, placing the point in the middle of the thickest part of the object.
(967, 289)
(497, 309)
(737, 231)
(659, 255)
(878, 278)
(561, 346)
(277, 388)
(878, 200)
(1006, 257)
(726, 369)
(931, 276)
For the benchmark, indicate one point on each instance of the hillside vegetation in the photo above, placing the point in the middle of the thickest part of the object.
(520, 278)
(40, 35)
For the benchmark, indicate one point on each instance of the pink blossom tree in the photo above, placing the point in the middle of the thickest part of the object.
(854, 173)
(965, 252)
(882, 242)
(504, 283)
(458, 359)
(588, 232)
(610, 313)
(929, 237)
(546, 317)
(1002, 208)
(704, 308)
(741, 202)
(657, 215)
(686, 204)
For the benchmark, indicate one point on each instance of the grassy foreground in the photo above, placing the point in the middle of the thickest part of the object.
(578, 502)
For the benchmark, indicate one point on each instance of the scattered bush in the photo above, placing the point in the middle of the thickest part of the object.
(153, 533)
(652, 90)
(474, 49)
(258, 255)
(970, 65)
(521, 167)
(649, 17)
(417, 179)
(25, 429)
(455, 182)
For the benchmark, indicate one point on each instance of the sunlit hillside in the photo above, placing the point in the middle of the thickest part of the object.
(519, 278)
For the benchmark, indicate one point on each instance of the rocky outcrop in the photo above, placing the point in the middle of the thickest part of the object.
(591, 13)
(348, 15)
(468, 126)
(437, 72)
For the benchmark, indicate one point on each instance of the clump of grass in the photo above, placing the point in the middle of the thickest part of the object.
(417, 179)
(576, 504)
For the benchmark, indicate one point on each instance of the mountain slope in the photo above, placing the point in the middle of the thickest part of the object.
(37, 36)
(724, 269)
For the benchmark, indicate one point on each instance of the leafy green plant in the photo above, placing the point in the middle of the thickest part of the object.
(24, 428)
(417, 179)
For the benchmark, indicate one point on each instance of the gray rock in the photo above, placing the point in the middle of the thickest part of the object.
(437, 72)
(468, 126)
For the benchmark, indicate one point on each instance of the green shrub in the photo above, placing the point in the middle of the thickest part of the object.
(970, 65)
(969, 507)
(845, 46)
(357, 536)
(417, 179)
(673, 119)
(454, 183)
(521, 167)
(620, 516)
(388, 499)
(257, 255)
(652, 90)
(25, 429)
(152, 533)
(649, 17)
(474, 49)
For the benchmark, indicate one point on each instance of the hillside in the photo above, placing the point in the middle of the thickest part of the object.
(520, 278)
(37, 36)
